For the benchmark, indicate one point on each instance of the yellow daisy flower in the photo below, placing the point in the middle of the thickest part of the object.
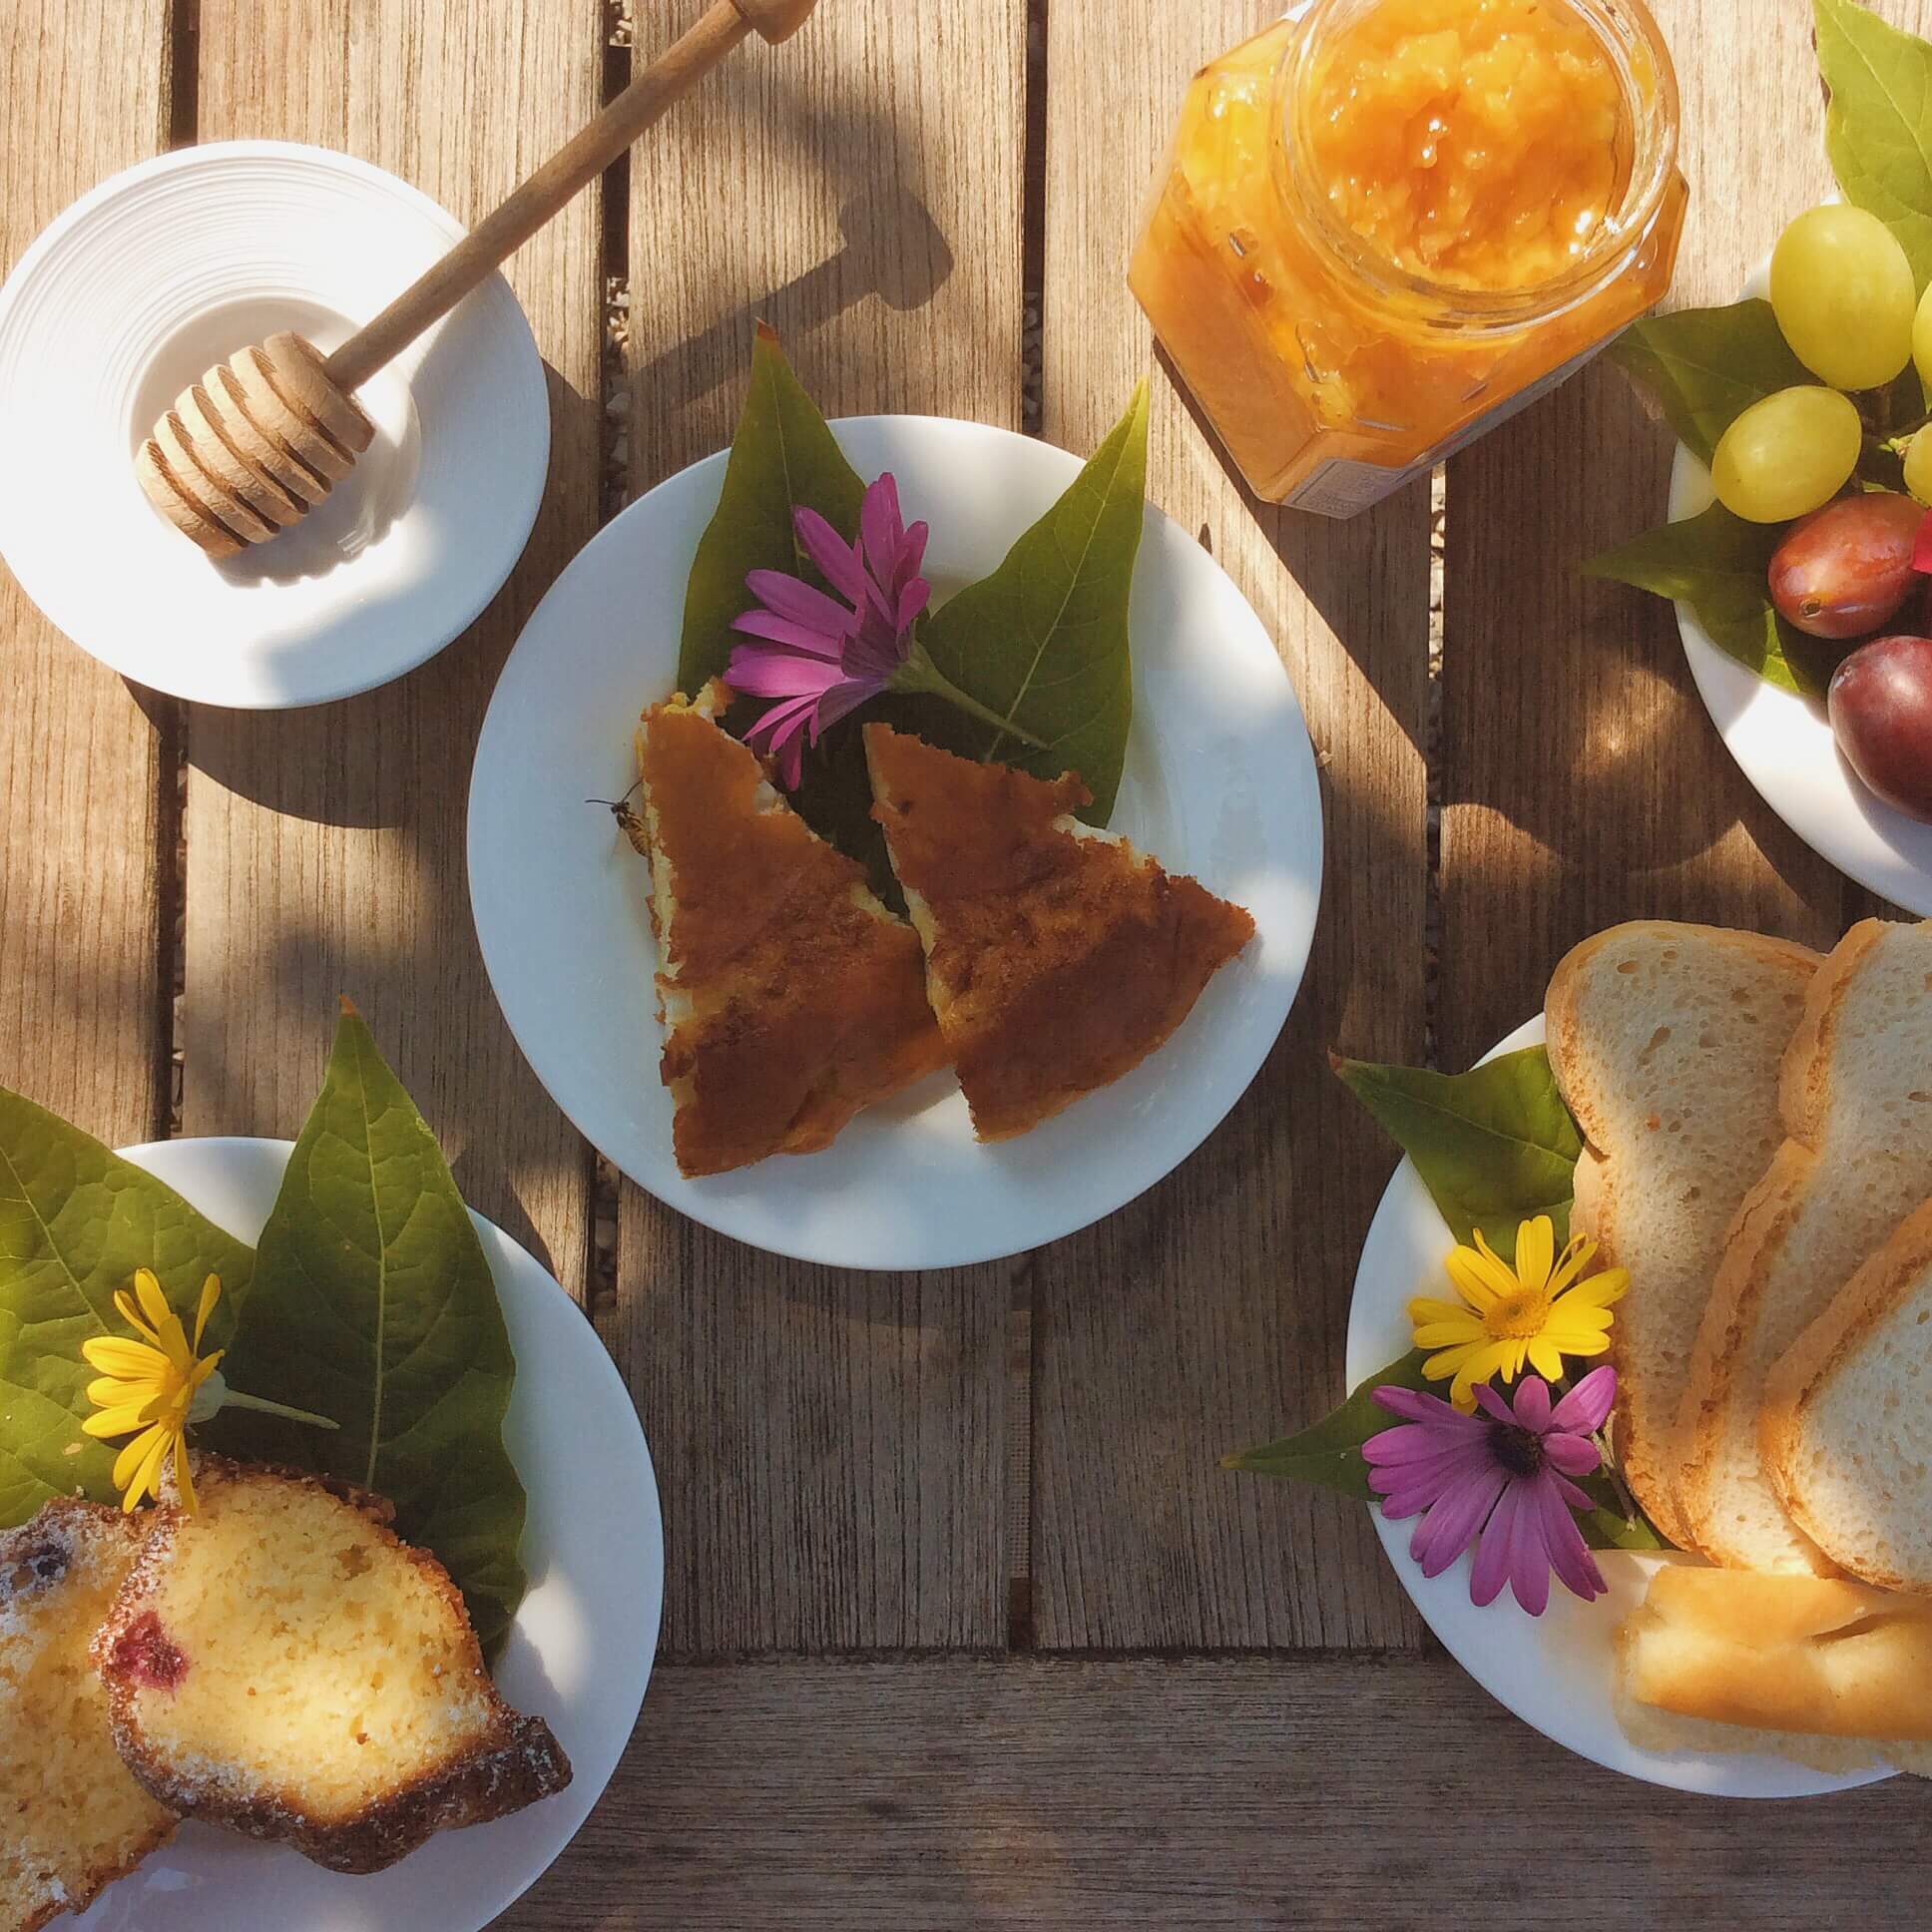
(1537, 1311)
(156, 1387)
(150, 1386)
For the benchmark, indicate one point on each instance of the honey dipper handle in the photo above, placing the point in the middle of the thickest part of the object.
(572, 167)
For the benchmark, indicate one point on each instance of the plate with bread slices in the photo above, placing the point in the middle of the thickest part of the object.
(282, 1714)
(1049, 1017)
(1755, 1128)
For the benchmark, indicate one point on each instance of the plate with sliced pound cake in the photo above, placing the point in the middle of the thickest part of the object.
(1011, 1022)
(1754, 1124)
(255, 1705)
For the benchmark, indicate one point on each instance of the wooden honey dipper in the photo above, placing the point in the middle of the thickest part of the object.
(264, 436)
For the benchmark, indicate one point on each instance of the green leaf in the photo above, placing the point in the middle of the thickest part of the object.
(784, 456)
(781, 458)
(1706, 367)
(834, 794)
(373, 1304)
(1878, 127)
(1494, 1145)
(76, 1220)
(1043, 642)
(1716, 563)
(1607, 1527)
(1330, 1452)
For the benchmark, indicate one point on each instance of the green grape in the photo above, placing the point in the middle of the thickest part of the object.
(1844, 293)
(1788, 454)
(1922, 338)
(1918, 465)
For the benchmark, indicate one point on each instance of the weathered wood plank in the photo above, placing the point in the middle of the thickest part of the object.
(1286, 1792)
(87, 763)
(1212, 1313)
(1585, 781)
(325, 847)
(832, 1447)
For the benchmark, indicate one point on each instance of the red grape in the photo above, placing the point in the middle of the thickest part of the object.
(1881, 715)
(1844, 569)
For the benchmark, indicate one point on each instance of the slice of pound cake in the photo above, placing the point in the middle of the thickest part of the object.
(71, 1816)
(282, 1664)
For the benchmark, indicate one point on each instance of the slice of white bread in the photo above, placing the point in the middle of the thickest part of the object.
(1856, 1101)
(72, 1816)
(1824, 1672)
(1845, 1428)
(1665, 1040)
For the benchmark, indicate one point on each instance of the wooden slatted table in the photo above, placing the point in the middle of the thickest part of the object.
(964, 1626)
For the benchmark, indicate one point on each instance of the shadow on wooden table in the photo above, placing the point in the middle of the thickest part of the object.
(892, 250)
(836, 236)
(325, 855)
(1213, 1309)
(1582, 781)
(1340, 567)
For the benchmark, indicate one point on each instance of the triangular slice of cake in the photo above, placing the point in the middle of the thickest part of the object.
(1056, 957)
(791, 996)
(72, 1816)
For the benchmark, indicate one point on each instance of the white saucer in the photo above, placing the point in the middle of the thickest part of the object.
(579, 1653)
(162, 272)
(1219, 782)
(1783, 744)
(1554, 1671)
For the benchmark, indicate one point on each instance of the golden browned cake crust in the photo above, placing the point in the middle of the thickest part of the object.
(228, 1650)
(791, 998)
(71, 1817)
(1056, 961)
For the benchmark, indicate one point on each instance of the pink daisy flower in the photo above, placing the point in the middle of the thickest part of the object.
(819, 658)
(1504, 1474)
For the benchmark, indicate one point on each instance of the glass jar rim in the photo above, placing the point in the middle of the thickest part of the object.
(1624, 27)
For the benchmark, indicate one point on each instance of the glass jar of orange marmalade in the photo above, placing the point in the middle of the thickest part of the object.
(1387, 225)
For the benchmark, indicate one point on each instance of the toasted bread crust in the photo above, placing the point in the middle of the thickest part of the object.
(1852, 1316)
(1644, 1425)
(516, 1762)
(1764, 1225)
(1757, 1231)
(1804, 1087)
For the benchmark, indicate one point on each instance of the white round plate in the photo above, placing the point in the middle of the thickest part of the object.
(578, 1655)
(1554, 1671)
(1783, 744)
(1220, 781)
(142, 286)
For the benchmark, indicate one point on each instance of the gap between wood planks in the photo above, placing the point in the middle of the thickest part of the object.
(1432, 770)
(619, 22)
(180, 93)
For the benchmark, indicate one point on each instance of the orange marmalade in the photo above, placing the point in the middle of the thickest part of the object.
(1387, 225)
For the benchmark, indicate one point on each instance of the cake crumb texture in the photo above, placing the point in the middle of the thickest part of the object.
(281, 1664)
(72, 1818)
